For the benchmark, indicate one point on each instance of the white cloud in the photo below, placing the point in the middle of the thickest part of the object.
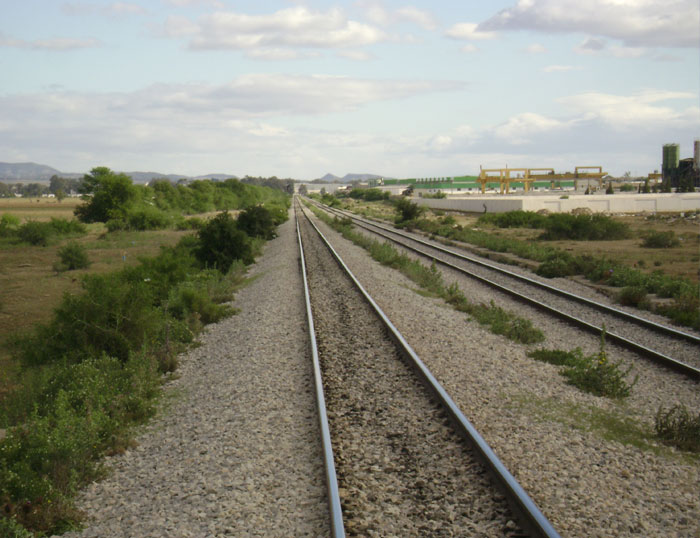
(518, 129)
(469, 48)
(194, 127)
(59, 44)
(597, 46)
(637, 23)
(357, 55)
(422, 18)
(296, 27)
(378, 14)
(558, 68)
(115, 9)
(468, 31)
(535, 48)
(643, 110)
(185, 3)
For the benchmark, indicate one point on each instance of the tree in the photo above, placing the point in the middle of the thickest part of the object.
(60, 195)
(303, 190)
(257, 221)
(407, 210)
(107, 195)
(57, 183)
(221, 243)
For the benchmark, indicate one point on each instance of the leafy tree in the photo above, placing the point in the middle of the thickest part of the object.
(221, 243)
(60, 194)
(107, 195)
(407, 210)
(257, 221)
(303, 190)
(57, 183)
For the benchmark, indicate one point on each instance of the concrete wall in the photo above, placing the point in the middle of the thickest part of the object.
(613, 203)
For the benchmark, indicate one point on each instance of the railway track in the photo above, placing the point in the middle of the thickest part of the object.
(401, 458)
(672, 348)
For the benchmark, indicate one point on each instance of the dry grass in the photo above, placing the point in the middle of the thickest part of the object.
(39, 208)
(29, 287)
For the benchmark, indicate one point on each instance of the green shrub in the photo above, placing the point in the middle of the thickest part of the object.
(591, 373)
(369, 195)
(633, 296)
(656, 239)
(408, 211)
(72, 256)
(627, 187)
(513, 219)
(146, 218)
(676, 426)
(67, 227)
(257, 221)
(9, 528)
(221, 243)
(8, 224)
(35, 233)
(558, 265)
(584, 228)
(192, 223)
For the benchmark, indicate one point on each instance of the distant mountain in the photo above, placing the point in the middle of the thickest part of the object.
(26, 171)
(217, 177)
(347, 178)
(329, 178)
(40, 173)
(360, 177)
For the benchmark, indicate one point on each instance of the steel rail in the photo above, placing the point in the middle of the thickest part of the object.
(335, 510)
(656, 356)
(646, 323)
(529, 515)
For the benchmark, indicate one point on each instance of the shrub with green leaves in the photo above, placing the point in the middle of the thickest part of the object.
(35, 233)
(635, 296)
(591, 373)
(594, 227)
(678, 427)
(72, 256)
(9, 224)
(221, 243)
(407, 211)
(513, 219)
(656, 239)
(257, 221)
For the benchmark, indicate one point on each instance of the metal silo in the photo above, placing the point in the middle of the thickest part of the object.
(671, 156)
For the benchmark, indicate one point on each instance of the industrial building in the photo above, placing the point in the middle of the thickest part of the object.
(682, 175)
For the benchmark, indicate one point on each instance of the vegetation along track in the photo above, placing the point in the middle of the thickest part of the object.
(670, 347)
(403, 468)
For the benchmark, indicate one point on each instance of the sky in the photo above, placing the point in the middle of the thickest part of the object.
(302, 88)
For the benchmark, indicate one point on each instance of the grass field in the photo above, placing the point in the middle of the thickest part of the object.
(29, 286)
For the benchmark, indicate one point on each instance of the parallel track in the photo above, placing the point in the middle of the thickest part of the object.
(443, 256)
(528, 515)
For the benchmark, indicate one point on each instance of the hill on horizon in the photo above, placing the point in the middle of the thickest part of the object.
(41, 173)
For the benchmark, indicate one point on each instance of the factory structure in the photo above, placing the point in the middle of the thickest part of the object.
(683, 175)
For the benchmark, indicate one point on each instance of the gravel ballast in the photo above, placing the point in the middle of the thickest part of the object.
(236, 452)
(402, 469)
(540, 427)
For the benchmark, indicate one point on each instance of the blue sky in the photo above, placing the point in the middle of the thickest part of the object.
(301, 88)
